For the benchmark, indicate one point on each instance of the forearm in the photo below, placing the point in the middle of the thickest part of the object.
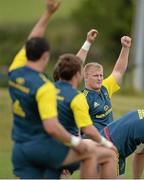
(122, 62)
(91, 36)
(57, 131)
(92, 133)
(40, 27)
(61, 134)
(83, 52)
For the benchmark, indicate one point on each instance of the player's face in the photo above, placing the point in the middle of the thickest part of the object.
(94, 78)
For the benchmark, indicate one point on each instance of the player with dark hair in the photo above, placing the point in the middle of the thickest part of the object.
(73, 112)
(42, 146)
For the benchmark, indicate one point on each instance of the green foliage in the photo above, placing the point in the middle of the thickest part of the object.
(11, 40)
(112, 19)
(16, 21)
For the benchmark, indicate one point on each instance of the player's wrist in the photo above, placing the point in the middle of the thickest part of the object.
(75, 141)
(86, 46)
(104, 142)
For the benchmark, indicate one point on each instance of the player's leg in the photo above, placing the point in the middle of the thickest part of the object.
(110, 134)
(21, 167)
(52, 174)
(138, 162)
(107, 158)
(88, 160)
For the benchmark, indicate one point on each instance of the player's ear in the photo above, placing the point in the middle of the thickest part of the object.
(45, 56)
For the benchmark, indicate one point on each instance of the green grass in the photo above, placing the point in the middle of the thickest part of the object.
(121, 104)
(5, 137)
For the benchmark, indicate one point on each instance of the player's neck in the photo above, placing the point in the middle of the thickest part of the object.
(37, 66)
(90, 88)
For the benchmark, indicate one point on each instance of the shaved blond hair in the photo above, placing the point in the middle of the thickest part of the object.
(88, 67)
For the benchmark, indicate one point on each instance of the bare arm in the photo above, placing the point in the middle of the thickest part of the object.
(56, 130)
(122, 62)
(91, 36)
(40, 27)
(93, 134)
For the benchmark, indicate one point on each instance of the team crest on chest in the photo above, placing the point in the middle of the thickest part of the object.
(96, 104)
(106, 95)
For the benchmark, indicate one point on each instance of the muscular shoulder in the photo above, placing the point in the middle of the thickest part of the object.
(66, 90)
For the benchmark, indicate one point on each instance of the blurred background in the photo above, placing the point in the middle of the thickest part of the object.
(67, 32)
(67, 29)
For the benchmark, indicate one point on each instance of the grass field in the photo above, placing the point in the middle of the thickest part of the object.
(121, 104)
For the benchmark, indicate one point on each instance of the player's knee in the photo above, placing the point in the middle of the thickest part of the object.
(112, 155)
(91, 146)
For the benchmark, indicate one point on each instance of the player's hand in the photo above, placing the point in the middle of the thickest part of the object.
(126, 41)
(85, 146)
(52, 6)
(65, 174)
(81, 148)
(91, 35)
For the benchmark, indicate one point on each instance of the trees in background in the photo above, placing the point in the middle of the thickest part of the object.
(112, 18)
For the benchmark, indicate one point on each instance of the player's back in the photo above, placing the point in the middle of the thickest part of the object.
(23, 85)
(66, 94)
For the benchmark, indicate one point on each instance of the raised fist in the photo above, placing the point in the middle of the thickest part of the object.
(126, 41)
(91, 35)
(52, 6)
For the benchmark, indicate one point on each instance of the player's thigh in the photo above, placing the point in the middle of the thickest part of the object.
(46, 153)
(140, 149)
(104, 154)
(52, 173)
(23, 168)
(73, 156)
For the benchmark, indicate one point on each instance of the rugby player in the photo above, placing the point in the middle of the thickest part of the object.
(73, 112)
(127, 134)
(41, 144)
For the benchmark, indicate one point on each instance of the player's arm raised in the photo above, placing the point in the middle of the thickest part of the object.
(40, 27)
(37, 31)
(122, 62)
(91, 36)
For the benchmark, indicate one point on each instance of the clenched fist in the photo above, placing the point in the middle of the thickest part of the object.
(91, 35)
(126, 41)
(52, 6)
